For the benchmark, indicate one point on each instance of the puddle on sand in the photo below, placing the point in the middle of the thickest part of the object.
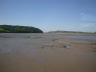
(5, 50)
(79, 41)
(56, 46)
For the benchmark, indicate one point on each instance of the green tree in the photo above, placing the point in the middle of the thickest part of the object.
(18, 29)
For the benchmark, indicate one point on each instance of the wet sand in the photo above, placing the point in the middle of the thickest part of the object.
(47, 53)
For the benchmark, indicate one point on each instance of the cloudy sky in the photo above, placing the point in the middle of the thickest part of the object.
(50, 15)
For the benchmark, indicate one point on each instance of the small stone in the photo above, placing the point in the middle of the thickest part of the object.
(66, 46)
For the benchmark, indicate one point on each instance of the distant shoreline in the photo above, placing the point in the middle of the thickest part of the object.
(72, 32)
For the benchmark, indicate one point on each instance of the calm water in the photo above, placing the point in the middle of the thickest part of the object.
(24, 35)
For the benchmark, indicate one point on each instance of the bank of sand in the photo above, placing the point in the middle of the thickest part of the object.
(47, 54)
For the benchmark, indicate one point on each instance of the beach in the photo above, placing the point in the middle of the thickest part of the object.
(48, 52)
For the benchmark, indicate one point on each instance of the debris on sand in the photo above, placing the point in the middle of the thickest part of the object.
(65, 46)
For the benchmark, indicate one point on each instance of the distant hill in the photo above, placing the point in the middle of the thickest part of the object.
(19, 29)
(67, 32)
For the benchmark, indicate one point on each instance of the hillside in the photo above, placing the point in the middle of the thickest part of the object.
(18, 29)
(69, 32)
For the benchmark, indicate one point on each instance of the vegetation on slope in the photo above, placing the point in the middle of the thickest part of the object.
(18, 29)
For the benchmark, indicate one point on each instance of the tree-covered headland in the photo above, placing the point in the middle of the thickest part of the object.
(19, 29)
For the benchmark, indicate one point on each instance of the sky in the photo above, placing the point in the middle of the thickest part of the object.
(50, 15)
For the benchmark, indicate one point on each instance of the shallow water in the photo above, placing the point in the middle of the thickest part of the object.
(39, 53)
(82, 37)
(30, 35)
(79, 41)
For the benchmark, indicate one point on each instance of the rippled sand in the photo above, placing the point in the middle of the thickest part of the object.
(46, 53)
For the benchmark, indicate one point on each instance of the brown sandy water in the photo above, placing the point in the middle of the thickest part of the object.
(47, 53)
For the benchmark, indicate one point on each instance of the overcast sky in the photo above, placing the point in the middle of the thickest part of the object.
(50, 15)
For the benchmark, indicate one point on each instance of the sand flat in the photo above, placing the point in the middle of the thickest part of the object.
(47, 53)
